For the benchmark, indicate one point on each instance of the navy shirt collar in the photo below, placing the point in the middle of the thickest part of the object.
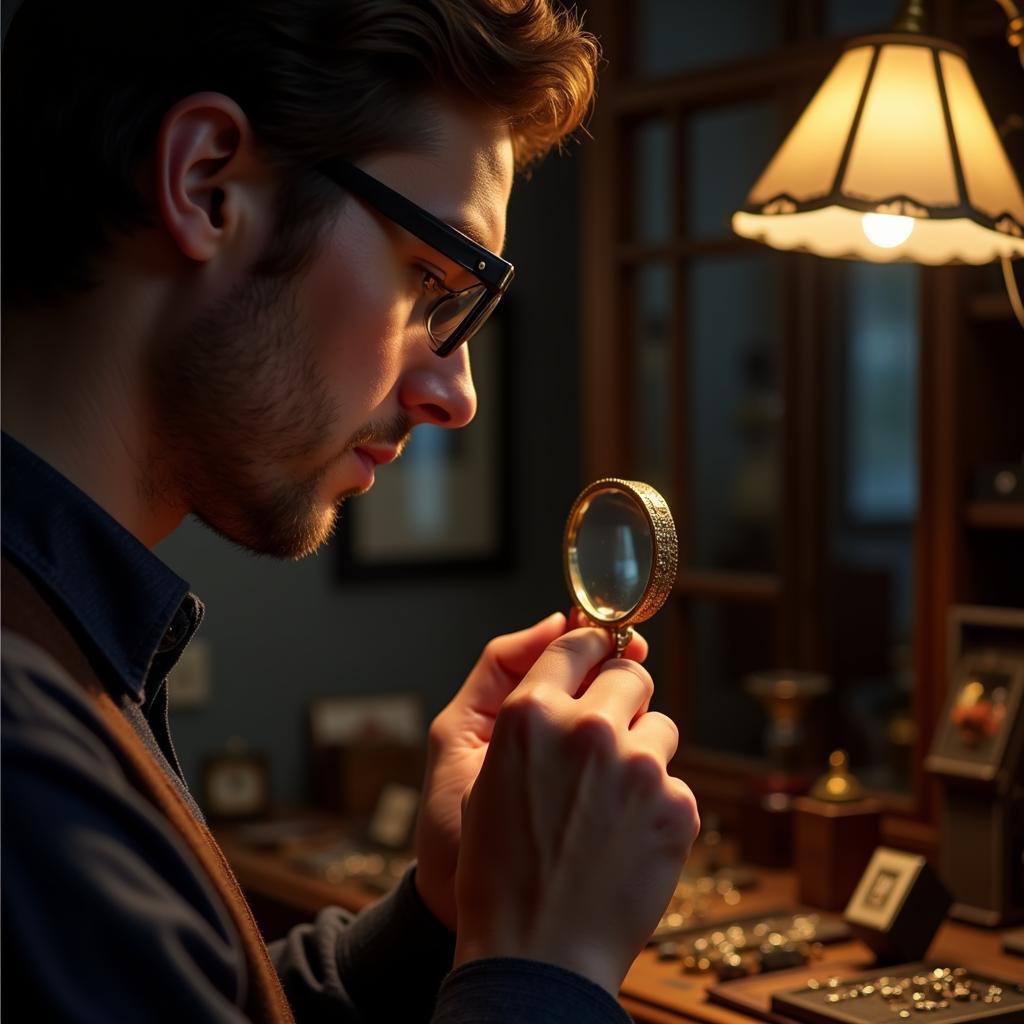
(125, 601)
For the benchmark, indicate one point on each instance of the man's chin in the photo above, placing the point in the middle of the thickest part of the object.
(286, 534)
(319, 530)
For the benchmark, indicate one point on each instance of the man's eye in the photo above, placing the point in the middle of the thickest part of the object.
(429, 283)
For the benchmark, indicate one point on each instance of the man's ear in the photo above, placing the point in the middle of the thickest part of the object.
(204, 158)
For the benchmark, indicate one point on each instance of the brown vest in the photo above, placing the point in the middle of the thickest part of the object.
(27, 613)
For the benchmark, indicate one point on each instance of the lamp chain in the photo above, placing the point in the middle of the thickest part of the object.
(1014, 26)
(913, 18)
(1012, 291)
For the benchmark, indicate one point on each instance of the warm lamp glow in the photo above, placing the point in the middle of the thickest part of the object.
(895, 158)
(887, 230)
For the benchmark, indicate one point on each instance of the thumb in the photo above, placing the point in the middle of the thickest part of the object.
(515, 653)
(506, 659)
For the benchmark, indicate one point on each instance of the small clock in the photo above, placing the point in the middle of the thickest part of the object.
(236, 785)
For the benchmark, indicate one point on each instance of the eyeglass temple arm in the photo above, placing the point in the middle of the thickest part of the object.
(490, 268)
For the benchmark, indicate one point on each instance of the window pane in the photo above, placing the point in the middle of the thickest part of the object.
(441, 502)
(871, 458)
(654, 378)
(734, 412)
(881, 433)
(652, 181)
(730, 640)
(671, 36)
(727, 148)
(846, 17)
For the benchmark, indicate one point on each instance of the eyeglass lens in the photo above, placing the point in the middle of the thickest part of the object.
(444, 319)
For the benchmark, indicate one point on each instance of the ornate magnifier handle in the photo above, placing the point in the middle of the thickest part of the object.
(622, 635)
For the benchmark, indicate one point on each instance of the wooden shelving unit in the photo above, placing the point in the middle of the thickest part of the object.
(995, 515)
(799, 609)
(988, 307)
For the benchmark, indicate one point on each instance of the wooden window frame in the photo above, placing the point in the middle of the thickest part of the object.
(797, 589)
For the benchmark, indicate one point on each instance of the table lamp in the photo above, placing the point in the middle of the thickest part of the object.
(895, 158)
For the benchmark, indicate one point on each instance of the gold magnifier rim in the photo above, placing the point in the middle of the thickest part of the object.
(664, 557)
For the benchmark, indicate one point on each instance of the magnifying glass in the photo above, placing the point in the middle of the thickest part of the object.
(620, 555)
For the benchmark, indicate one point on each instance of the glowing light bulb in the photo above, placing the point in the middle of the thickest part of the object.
(887, 230)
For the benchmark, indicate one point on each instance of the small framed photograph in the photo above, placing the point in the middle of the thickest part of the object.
(982, 711)
(236, 786)
(394, 817)
(882, 888)
(443, 505)
(898, 905)
(349, 720)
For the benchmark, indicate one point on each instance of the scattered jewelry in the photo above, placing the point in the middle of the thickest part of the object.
(779, 957)
(733, 950)
(915, 994)
(694, 900)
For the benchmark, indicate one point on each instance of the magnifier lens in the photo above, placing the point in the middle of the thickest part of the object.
(620, 555)
(614, 552)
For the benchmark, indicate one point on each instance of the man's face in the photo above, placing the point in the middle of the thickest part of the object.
(281, 397)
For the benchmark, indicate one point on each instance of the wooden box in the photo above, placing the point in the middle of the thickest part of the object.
(348, 778)
(833, 843)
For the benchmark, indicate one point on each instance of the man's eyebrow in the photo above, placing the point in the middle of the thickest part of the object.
(471, 229)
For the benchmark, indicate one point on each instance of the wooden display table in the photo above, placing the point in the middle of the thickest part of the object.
(658, 993)
(654, 992)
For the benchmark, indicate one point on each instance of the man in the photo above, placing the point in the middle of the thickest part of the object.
(246, 243)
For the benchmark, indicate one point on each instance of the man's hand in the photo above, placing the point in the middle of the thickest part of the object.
(458, 741)
(574, 833)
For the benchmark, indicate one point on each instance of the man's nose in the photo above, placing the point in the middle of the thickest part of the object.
(439, 391)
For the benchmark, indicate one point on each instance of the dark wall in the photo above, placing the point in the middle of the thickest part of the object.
(281, 634)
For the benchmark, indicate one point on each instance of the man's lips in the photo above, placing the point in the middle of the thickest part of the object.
(378, 456)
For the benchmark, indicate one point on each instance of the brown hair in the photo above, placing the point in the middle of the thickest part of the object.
(86, 86)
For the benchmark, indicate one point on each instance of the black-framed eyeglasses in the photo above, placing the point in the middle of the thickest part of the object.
(455, 316)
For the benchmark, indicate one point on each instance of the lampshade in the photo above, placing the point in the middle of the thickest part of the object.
(895, 158)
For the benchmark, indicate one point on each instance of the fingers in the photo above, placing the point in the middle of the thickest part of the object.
(636, 649)
(567, 661)
(682, 824)
(657, 734)
(623, 688)
(505, 661)
(577, 620)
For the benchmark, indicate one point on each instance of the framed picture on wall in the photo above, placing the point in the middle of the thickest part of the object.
(442, 506)
(341, 719)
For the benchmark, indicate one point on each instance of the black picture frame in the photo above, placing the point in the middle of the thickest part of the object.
(979, 746)
(443, 507)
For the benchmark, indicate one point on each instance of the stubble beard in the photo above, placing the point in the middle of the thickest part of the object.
(239, 398)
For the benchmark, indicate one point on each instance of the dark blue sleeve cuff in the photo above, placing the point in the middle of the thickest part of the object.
(507, 990)
(394, 955)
